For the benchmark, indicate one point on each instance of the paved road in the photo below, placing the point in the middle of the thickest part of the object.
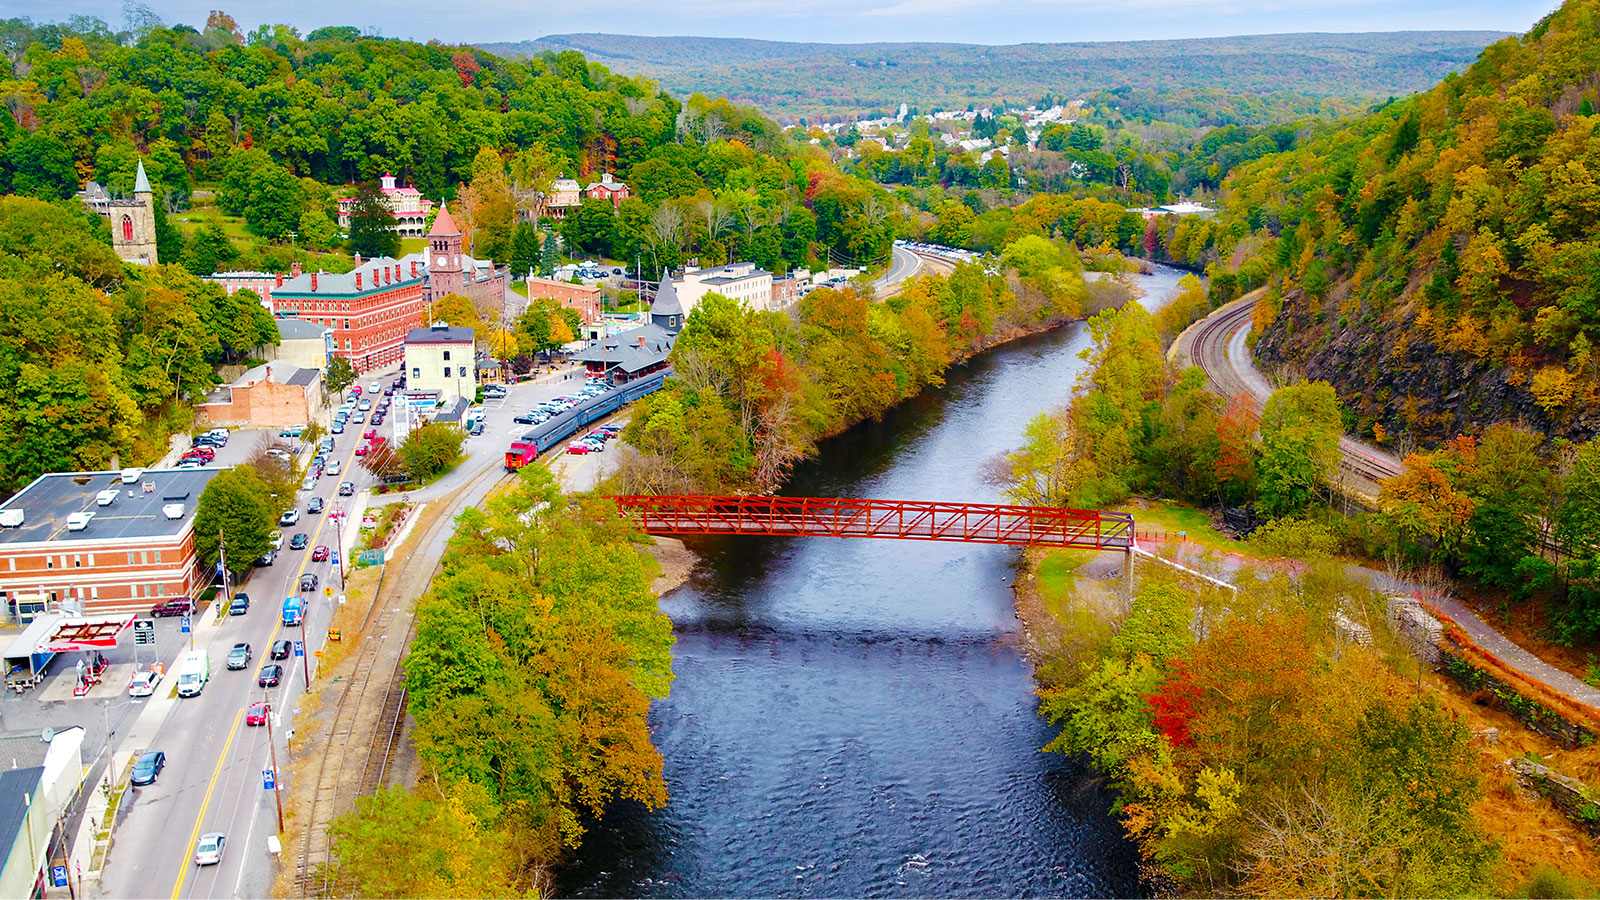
(1218, 344)
(903, 264)
(213, 781)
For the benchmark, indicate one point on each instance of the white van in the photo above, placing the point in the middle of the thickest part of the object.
(193, 671)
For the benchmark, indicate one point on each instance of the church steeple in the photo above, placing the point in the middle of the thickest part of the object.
(141, 183)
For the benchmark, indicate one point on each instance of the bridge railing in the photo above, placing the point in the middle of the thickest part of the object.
(983, 523)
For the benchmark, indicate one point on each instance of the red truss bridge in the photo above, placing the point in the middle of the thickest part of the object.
(915, 520)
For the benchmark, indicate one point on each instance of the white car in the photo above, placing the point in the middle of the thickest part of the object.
(208, 851)
(310, 484)
(143, 684)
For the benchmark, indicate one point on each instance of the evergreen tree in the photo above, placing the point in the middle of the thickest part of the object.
(524, 250)
(549, 255)
(371, 224)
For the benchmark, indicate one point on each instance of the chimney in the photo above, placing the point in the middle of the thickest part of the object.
(413, 268)
(388, 275)
(641, 341)
(358, 259)
(358, 281)
(313, 281)
(280, 280)
(294, 269)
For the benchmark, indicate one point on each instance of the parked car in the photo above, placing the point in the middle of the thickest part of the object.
(240, 605)
(359, 418)
(308, 582)
(280, 650)
(361, 450)
(377, 419)
(475, 427)
(529, 418)
(239, 656)
(179, 606)
(299, 541)
(364, 405)
(257, 713)
(267, 558)
(578, 447)
(315, 506)
(347, 489)
(142, 684)
(310, 484)
(147, 767)
(289, 517)
(338, 426)
(208, 850)
(277, 540)
(369, 434)
(320, 554)
(271, 674)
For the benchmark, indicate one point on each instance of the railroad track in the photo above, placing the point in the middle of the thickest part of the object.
(350, 745)
(1210, 351)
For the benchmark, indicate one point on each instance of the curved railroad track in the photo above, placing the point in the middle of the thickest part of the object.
(350, 746)
(1214, 343)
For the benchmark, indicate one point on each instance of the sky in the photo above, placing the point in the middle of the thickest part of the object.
(844, 21)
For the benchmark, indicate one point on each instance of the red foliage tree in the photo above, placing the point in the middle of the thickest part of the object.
(1172, 706)
(466, 66)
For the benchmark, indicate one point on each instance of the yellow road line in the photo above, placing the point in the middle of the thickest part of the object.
(183, 870)
(205, 802)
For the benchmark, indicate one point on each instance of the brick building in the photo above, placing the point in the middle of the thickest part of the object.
(263, 283)
(101, 542)
(583, 298)
(273, 395)
(450, 271)
(608, 188)
(370, 309)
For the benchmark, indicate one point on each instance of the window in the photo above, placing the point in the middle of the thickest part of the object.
(158, 556)
(127, 228)
(447, 371)
(416, 372)
(447, 356)
(77, 561)
(130, 558)
(49, 562)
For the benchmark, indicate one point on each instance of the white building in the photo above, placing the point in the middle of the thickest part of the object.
(440, 358)
(740, 281)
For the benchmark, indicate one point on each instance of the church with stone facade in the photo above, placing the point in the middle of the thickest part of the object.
(132, 221)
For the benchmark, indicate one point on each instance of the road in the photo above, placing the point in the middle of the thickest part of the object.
(903, 264)
(213, 780)
(1218, 345)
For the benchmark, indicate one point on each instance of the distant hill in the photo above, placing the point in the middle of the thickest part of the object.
(790, 80)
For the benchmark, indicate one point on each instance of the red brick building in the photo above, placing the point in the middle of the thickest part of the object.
(370, 308)
(608, 188)
(273, 395)
(584, 299)
(101, 542)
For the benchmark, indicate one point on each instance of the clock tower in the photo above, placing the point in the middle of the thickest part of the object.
(444, 256)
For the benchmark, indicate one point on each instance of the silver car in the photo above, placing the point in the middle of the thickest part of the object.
(208, 851)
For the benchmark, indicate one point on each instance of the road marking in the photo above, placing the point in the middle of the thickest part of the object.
(277, 628)
(205, 802)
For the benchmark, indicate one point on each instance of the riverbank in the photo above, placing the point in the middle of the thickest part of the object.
(1078, 610)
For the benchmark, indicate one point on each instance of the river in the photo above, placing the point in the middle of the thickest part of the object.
(854, 718)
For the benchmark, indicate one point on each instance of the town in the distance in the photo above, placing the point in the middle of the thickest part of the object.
(618, 466)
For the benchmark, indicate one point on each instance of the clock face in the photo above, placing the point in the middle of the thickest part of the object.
(439, 261)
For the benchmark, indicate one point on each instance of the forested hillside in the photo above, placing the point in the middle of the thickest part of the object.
(1437, 261)
(277, 127)
(795, 80)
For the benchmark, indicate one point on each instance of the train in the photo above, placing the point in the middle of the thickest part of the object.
(541, 438)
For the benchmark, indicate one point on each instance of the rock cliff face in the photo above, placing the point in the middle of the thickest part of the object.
(1393, 374)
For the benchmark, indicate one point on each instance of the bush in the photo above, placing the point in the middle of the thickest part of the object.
(432, 450)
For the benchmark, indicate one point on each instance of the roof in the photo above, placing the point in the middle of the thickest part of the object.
(303, 377)
(16, 787)
(443, 225)
(440, 334)
(666, 302)
(135, 514)
(371, 273)
(22, 749)
(141, 183)
(291, 328)
(452, 411)
(633, 350)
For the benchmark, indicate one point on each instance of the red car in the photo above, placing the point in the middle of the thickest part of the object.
(361, 451)
(256, 714)
(369, 435)
(355, 389)
(577, 447)
(319, 554)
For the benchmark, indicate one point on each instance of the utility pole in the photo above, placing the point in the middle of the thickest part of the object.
(305, 648)
(222, 565)
(272, 747)
(338, 527)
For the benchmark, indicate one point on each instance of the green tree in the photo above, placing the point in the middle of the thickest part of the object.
(431, 449)
(524, 250)
(340, 374)
(209, 250)
(241, 172)
(236, 507)
(275, 203)
(372, 231)
(316, 230)
(1300, 430)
